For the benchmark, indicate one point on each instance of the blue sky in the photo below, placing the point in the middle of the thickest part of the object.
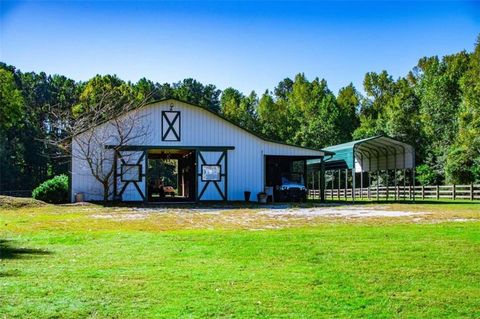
(247, 45)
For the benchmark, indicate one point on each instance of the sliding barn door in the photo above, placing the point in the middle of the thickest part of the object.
(129, 175)
(212, 175)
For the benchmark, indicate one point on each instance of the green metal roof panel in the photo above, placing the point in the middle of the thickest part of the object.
(348, 145)
(346, 152)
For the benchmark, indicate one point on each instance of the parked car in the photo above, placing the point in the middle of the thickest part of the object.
(292, 188)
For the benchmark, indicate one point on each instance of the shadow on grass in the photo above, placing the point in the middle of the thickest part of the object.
(8, 251)
(9, 274)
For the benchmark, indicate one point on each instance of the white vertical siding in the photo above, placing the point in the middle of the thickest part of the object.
(82, 179)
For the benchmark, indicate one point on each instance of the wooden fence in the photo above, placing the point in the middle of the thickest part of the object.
(469, 192)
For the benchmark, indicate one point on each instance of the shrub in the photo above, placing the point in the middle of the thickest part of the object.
(460, 166)
(54, 190)
(426, 175)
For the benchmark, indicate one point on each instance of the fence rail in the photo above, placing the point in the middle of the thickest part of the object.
(17, 193)
(471, 192)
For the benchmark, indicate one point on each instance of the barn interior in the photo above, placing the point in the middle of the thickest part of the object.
(171, 175)
(285, 169)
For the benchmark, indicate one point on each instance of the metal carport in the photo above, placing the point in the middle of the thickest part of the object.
(380, 158)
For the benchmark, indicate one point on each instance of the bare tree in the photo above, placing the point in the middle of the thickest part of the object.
(102, 129)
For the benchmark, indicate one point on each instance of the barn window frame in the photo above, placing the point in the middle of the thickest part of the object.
(219, 179)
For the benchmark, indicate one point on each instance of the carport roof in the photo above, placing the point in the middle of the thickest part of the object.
(381, 148)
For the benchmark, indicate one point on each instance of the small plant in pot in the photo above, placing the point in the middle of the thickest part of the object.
(262, 197)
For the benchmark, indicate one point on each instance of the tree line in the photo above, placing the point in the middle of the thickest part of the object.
(435, 107)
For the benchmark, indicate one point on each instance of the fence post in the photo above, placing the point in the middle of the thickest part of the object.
(471, 191)
(423, 191)
(438, 192)
(454, 193)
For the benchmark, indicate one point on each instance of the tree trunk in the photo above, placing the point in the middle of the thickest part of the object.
(105, 191)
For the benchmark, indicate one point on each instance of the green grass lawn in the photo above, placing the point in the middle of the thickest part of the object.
(77, 262)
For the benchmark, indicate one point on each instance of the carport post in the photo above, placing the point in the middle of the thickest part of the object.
(404, 171)
(305, 176)
(410, 190)
(353, 184)
(319, 182)
(395, 173)
(346, 183)
(386, 173)
(378, 175)
(354, 175)
(369, 182)
(322, 181)
(413, 174)
(339, 180)
(361, 175)
(361, 183)
(369, 175)
(333, 179)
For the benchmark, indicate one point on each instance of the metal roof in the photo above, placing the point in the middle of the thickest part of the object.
(260, 136)
(368, 154)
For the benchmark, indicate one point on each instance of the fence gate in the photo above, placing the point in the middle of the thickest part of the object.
(212, 175)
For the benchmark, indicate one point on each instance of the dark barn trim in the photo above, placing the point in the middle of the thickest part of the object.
(170, 147)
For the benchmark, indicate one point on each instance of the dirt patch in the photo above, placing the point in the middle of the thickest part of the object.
(80, 204)
(9, 202)
(352, 211)
(178, 213)
(121, 217)
(204, 211)
(270, 217)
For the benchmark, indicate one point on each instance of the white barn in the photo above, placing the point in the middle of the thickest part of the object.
(216, 160)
